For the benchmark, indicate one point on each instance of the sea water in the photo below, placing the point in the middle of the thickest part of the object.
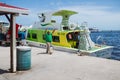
(111, 38)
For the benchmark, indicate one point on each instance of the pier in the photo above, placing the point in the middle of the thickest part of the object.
(60, 66)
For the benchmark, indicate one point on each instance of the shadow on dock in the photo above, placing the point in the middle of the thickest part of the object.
(42, 53)
(4, 71)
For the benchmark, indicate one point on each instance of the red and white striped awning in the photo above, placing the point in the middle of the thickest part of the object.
(5, 8)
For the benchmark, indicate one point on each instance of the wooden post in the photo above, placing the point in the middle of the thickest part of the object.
(13, 43)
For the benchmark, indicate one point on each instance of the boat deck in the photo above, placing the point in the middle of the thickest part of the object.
(98, 48)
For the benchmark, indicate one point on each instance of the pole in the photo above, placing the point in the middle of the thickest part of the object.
(12, 43)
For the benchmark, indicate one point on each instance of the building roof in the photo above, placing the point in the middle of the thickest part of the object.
(7, 9)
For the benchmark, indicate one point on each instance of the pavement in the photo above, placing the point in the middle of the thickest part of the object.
(60, 66)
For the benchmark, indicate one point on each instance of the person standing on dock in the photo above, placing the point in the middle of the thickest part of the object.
(48, 38)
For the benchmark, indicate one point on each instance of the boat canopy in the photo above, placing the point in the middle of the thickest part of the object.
(64, 12)
(65, 17)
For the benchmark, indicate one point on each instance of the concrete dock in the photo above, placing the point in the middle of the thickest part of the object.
(60, 66)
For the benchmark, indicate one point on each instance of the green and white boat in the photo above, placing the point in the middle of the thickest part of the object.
(67, 37)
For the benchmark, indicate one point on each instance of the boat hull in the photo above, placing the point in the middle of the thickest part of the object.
(103, 52)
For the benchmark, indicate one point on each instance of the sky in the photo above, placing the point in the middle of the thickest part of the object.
(102, 14)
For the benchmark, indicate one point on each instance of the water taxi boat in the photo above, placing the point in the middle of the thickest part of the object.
(67, 37)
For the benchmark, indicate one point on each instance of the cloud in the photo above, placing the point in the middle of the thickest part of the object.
(52, 3)
(58, 3)
(87, 10)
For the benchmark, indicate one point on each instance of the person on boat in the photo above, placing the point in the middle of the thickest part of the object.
(42, 17)
(48, 38)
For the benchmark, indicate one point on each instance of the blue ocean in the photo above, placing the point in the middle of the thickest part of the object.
(111, 38)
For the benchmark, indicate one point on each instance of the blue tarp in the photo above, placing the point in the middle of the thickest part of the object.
(22, 35)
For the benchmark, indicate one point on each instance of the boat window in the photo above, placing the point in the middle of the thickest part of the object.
(28, 35)
(69, 36)
(73, 36)
(4, 24)
(66, 28)
(43, 36)
(53, 21)
(56, 39)
(34, 35)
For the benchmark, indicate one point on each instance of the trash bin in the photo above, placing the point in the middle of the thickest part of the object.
(23, 58)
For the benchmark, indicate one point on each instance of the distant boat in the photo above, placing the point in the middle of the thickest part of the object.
(94, 29)
(4, 26)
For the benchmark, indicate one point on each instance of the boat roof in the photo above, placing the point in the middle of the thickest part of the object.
(5, 8)
(64, 12)
(3, 22)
